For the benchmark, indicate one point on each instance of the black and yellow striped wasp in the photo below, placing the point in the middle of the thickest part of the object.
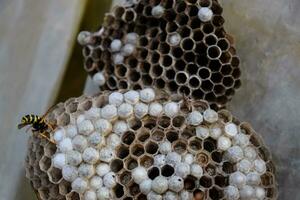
(38, 124)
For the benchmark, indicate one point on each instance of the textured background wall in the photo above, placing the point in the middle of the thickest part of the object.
(268, 41)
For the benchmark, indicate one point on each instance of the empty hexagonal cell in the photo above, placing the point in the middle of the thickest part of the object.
(149, 123)
(45, 163)
(221, 181)
(63, 119)
(44, 193)
(86, 105)
(122, 151)
(134, 189)
(167, 170)
(267, 179)
(179, 146)
(48, 150)
(73, 196)
(178, 121)
(146, 161)
(209, 144)
(72, 107)
(131, 163)
(128, 137)
(54, 191)
(164, 122)
(206, 181)
(116, 165)
(153, 172)
(217, 156)
(225, 116)
(54, 174)
(210, 40)
(188, 133)
(195, 144)
(228, 167)
(118, 191)
(125, 177)
(151, 147)
(216, 193)
(172, 136)
(137, 150)
(157, 135)
(64, 187)
(141, 197)
(190, 183)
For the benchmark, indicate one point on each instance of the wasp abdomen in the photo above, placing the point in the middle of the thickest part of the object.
(31, 119)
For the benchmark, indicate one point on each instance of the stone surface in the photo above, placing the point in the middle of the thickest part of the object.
(268, 36)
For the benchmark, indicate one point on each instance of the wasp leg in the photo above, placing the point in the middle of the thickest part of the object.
(47, 138)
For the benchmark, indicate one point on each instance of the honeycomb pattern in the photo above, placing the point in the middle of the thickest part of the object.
(157, 144)
(176, 50)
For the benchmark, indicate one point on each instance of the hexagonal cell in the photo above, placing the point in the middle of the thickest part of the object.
(131, 163)
(206, 181)
(216, 193)
(149, 123)
(122, 151)
(203, 158)
(118, 191)
(135, 124)
(54, 191)
(146, 161)
(179, 146)
(199, 194)
(178, 121)
(157, 135)
(141, 197)
(195, 144)
(54, 175)
(217, 156)
(228, 168)
(164, 122)
(267, 179)
(209, 144)
(45, 163)
(172, 136)
(221, 181)
(73, 196)
(137, 150)
(153, 172)
(151, 147)
(134, 189)
(44, 193)
(143, 134)
(125, 177)
(63, 119)
(211, 169)
(64, 187)
(128, 137)
(190, 183)
(116, 165)
(167, 170)
(188, 133)
(48, 150)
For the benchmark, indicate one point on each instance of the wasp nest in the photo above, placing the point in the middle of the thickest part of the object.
(142, 145)
(179, 46)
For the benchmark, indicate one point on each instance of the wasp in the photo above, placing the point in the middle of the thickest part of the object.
(38, 124)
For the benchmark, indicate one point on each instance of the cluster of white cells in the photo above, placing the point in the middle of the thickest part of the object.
(135, 145)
